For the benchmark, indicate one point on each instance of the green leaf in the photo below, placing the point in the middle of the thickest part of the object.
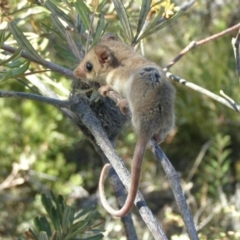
(45, 226)
(54, 197)
(96, 237)
(37, 223)
(83, 12)
(120, 9)
(225, 167)
(15, 72)
(65, 53)
(42, 225)
(102, 5)
(83, 212)
(60, 205)
(225, 140)
(71, 217)
(52, 213)
(66, 219)
(92, 215)
(47, 203)
(23, 42)
(2, 35)
(58, 25)
(56, 220)
(54, 31)
(152, 24)
(225, 154)
(80, 229)
(16, 55)
(99, 29)
(214, 151)
(146, 4)
(16, 63)
(61, 202)
(43, 236)
(5, 75)
(58, 12)
(76, 225)
(213, 163)
(84, 224)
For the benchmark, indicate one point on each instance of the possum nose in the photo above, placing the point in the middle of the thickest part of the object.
(79, 73)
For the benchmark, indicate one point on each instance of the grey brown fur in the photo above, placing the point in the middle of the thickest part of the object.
(147, 92)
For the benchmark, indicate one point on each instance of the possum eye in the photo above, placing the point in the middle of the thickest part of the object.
(89, 66)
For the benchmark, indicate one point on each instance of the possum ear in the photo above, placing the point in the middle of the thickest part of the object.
(109, 36)
(104, 54)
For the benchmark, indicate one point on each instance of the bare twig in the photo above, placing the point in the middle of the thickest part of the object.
(194, 44)
(198, 160)
(56, 102)
(229, 99)
(186, 5)
(209, 217)
(119, 192)
(235, 44)
(231, 104)
(176, 188)
(81, 108)
(12, 179)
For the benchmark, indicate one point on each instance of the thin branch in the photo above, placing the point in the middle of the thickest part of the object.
(229, 99)
(198, 161)
(194, 44)
(80, 106)
(235, 44)
(209, 217)
(12, 179)
(186, 5)
(231, 104)
(54, 67)
(20, 95)
(119, 191)
(174, 182)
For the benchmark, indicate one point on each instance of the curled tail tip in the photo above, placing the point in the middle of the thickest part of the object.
(107, 165)
(116, 213)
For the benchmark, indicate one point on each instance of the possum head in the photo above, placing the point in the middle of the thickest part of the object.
(97, 63)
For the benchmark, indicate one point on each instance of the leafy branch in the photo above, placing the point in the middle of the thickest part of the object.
(63, 222)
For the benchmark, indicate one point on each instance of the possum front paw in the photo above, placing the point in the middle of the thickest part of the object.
(123, 106)
(103, 90)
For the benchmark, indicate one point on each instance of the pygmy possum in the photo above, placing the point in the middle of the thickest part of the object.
(144, 88)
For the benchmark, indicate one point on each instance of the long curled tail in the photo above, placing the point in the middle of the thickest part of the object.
(136, 173)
